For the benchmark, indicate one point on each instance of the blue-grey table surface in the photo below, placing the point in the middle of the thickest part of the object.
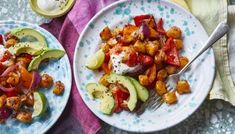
(214, 116)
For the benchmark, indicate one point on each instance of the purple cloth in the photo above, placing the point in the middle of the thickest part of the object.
(76, 118)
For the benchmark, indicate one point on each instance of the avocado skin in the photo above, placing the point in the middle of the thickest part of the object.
(49, 53)
(99, 91)
(115, 78)
(23, 32)
(142, 92)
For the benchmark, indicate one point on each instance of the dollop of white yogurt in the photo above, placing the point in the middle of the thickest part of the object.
(121, 68)
(51, 5)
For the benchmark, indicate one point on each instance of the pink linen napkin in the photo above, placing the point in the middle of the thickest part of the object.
(76, 118)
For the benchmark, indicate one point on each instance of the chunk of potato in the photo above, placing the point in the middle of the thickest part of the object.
(171, 69)
(103, 80)
(183, 61)
(24, 117)
(143, 79)
(139, 46)
(130, 33)
(58, 88)
(151, 48)
(160, 88)
(162, 74)
(13, 103)
(174, 32)
(105, 47)
(2, 100)
(182, 87)
(170, 98)
(160, 57)
(105, 34)
(178, 43)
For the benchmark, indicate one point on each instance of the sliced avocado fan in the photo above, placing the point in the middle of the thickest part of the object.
(24, 32)
(49, 53)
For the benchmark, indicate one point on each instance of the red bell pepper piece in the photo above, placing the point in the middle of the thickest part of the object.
(7, 55)
(171, 53)
(1, 40)
(139, 19)
(145, 59)
(160, 28)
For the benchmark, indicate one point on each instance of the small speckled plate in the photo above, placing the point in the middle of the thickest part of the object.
(200, 75)
(63, 11)
(59, 70)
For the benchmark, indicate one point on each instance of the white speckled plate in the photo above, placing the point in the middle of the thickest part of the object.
(59, 70)
(200, 75)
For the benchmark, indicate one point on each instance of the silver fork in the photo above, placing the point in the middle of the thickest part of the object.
(155, 101)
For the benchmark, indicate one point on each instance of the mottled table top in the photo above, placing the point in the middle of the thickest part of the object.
(212, 117)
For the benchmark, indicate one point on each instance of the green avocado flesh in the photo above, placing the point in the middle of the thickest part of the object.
(115, 78)
(47, 54)
(24, 32)
(101, 92)
(27, 47)
(142, 92)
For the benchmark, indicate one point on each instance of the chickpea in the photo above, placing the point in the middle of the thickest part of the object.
(2, 100)
(139, 46)
(58, 88)
(105, 34)
(170, 97)
(46, 81)
(13, 103)
(178, 43)
(24, 117)
(161, 75)
(182, 87)
(171, 69)
(174, 32)
(143, 79)
(183, 61)
(160, 88)
(13, 78)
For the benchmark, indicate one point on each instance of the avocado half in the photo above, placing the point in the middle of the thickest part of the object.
(24, 32)
(46, 54)
(99, 91)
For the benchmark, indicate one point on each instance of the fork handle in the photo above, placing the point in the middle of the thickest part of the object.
(219, 32)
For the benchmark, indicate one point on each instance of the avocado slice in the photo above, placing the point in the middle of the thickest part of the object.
(24, 32)
(49, 53)
(27, 47)
(142, 92)
(101, 92)
(115, 78)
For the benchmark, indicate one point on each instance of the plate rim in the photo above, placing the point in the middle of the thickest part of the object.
(67, 58)
(96, 16)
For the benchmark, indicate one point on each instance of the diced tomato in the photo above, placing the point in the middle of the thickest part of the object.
(139, 19)
(171, 52)
(160, 28)
(1, 40)
(105, 68)
(107, 57)
(7, 55)
(145, 59)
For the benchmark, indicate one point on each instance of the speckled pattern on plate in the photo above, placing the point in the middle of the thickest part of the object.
(200, 74)
(214, 116)
(59, 70)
